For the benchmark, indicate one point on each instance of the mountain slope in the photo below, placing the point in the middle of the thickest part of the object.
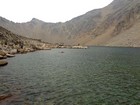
(10, 41)
(96, 27)
(53, 32)
(120, 20)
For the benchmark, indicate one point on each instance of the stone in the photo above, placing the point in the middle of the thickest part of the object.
(13, 51)
(10, 55)
(21, 51)
(1, 57)
(2, 53)
(3, 63)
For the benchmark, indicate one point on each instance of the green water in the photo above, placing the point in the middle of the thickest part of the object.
(94, 76)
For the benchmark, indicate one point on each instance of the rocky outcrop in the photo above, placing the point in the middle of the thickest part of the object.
(11, 44)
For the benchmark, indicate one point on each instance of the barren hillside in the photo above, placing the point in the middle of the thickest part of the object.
(112, 25)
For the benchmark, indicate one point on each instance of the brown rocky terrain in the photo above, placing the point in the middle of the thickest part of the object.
(11, 44)
(120, 27)
(114, 25)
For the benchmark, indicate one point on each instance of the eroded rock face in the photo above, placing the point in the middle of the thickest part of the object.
(124, 15)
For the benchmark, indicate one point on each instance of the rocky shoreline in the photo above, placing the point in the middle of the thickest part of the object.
(11, 44)
(8, 53)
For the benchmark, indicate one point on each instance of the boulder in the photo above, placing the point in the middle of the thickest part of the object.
(32, 50)
(1, 57)
(21, 51)
(10, 55)
(2, 53)
(3, 63)
(13, 51)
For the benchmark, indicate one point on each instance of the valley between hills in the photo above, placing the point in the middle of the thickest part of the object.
(114, 25)
(117, 25)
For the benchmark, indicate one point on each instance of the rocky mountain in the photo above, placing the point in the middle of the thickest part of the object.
(12, 43)
(52, 32)
(120, 26)
(114, 25)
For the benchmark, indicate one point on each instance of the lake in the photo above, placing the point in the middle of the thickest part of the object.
(94, 76)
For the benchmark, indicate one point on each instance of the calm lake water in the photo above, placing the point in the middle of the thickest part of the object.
(94, 76)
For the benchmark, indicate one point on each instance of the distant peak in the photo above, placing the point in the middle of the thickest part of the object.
(36, 20)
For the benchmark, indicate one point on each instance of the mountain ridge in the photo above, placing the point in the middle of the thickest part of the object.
(96, 27)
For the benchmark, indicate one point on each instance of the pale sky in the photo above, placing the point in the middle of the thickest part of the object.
(47, 10)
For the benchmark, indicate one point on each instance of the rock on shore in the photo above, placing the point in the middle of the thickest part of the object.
(3, 63)
(2, 53)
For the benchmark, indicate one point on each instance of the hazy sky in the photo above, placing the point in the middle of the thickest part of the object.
(47, 10)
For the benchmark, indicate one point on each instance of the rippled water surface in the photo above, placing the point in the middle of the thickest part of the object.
(94, 76)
